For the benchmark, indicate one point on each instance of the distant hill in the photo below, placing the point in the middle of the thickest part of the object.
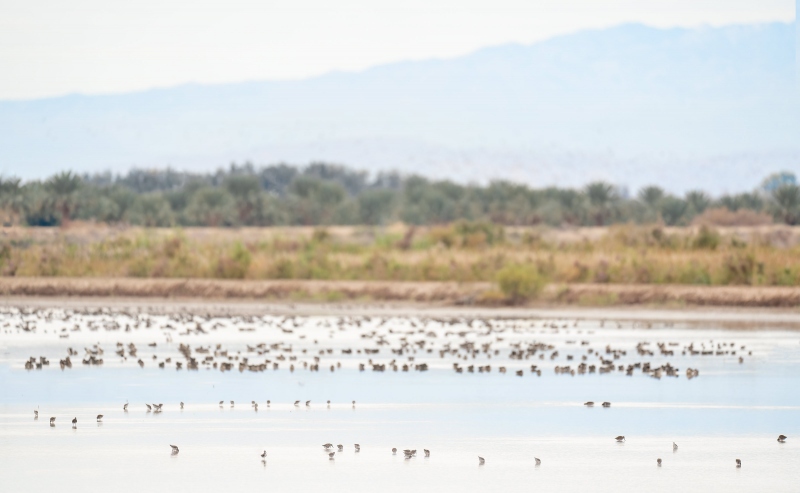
(712, 108)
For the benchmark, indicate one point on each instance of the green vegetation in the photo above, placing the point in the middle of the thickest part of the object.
(520, 283)
(324, 194)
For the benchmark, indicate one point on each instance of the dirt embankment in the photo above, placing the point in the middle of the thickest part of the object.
(447, 293)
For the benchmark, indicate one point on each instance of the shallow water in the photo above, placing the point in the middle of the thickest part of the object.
(731, 410)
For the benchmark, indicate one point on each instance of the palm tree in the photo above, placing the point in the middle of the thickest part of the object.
(63, 187)
(246, 192)
(698, 201)
(11, 197)
(602, 197)
(651, 196)
(787, 199)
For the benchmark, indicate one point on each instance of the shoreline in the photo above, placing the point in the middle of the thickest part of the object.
(732, 317)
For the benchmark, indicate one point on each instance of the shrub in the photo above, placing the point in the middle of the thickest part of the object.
(520, 283)
(706, 239)
(235, 264)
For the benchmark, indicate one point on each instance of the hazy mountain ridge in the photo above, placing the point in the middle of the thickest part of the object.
(620, 104)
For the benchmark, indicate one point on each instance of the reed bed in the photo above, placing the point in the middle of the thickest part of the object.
(461, 252)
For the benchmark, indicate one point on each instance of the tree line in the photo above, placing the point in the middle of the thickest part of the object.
(328, 194)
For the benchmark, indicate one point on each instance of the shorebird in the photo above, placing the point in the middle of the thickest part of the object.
(296, 403)
(354, 403)
(658, 461)
(53, 421)
(264, 454)
(74, 422)
(481, 460)
(358, 448)
(589, 404)
(148, 408)
(538, 461)
(340, 447)
(255, 406)
(268, 403)
(427, 452)
(174, 449)
(620, 438)
(738, 463)
(327, 445)
(125, 407)
(606, 404)
(35, 414)
(394, 449)
(99, 418)
(181, 404)
(674, 446)
(329, 403)
(308, 403)
(231, 403)
(221, 403)
(330, 455)
(782, 438)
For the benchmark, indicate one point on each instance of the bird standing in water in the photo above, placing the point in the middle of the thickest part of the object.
(674, 446)
(99, 418)
(264, 454)
(174, 449)
(620, 438)
(782, 438)
(538, 461)
(481, 461)
(738, 463)
(74, 422)
(658, 461)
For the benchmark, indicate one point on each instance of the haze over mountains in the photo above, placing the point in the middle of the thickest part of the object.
(712, 108)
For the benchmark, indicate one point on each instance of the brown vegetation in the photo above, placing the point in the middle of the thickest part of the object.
(466, 262)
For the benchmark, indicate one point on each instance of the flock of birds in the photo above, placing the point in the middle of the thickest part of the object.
(398, 344)
(328, 447)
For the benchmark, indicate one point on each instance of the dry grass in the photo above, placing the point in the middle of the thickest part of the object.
(746, 256)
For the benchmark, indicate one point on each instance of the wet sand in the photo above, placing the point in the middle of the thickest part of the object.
(728, 317)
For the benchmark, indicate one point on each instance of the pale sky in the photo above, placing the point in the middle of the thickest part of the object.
(55, 47)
